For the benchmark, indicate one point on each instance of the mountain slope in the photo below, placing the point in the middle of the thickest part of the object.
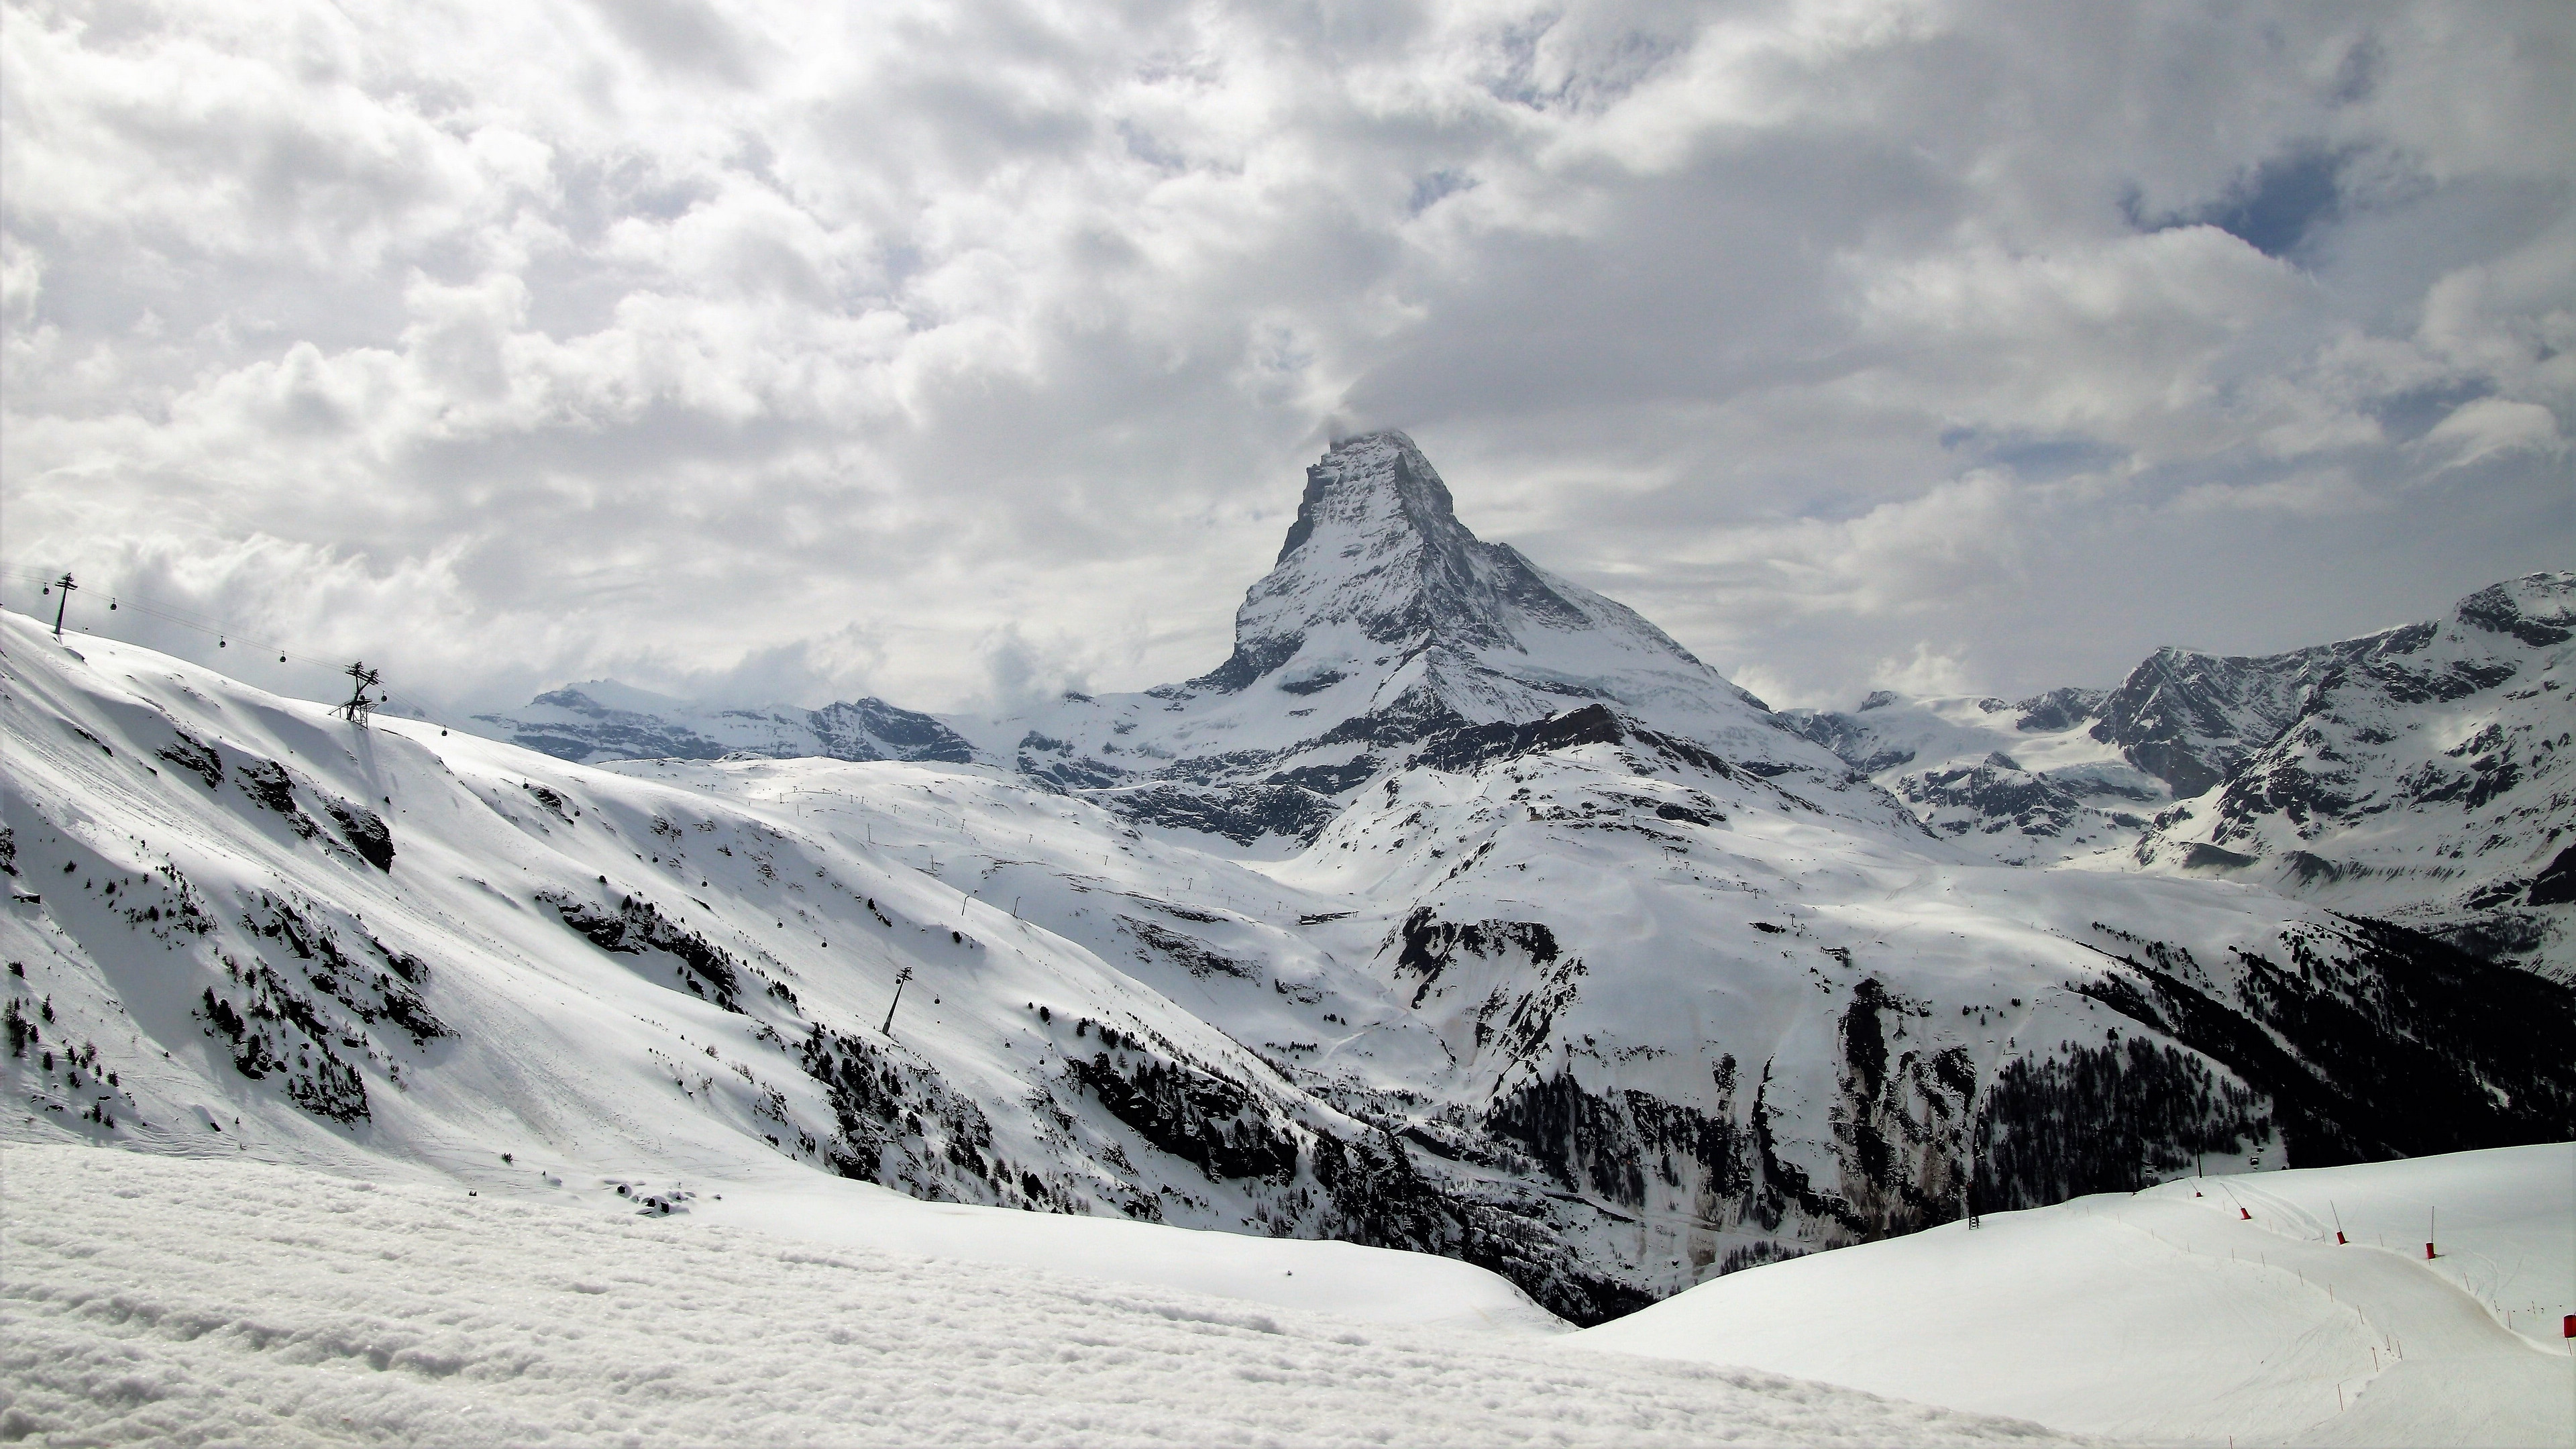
(2169, 1318)
(603, 720)
(241, 920)
(1606, 998)
(2026, 783)
(2416, 773)
(1577, 1001)
(1384, 623)
(2426, 777)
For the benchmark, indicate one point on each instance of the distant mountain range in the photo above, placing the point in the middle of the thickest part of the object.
(1458, 909)
(2421, 774)
(605, 720)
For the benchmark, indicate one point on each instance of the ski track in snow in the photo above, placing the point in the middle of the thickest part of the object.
(207, 1301)
(2165, 1316)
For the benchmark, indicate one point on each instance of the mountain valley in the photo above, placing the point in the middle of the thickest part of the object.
(1459, 910)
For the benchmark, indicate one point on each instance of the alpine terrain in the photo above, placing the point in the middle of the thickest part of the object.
(2418, 774)
(1458, 910)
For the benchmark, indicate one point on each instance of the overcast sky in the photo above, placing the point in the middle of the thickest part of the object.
(954, 351)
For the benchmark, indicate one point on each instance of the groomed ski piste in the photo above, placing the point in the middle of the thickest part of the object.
(215, 1299)
(2201, 1311)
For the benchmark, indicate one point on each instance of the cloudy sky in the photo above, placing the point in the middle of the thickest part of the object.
(956, 350)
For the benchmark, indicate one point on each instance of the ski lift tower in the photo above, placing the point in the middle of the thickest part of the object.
(362, 679)
(61, 589)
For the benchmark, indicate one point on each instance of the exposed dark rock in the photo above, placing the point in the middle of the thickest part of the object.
(2000, 795)
(196, 756)
(1190, 1112)
(1329, 779)
(268, 785)
(1313, 683)
(2556, 883)
(2059, 709)
(365, 831)
(1240, 813)
(638, 926)
(2497, 610)
(1192, 955)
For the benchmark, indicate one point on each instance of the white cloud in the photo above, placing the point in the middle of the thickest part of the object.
(1926, 671)
(2321, 494)
(788, 347)
(2490, 426)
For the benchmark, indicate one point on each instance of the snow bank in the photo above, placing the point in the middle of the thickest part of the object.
(2168, 1316)
(205, 1301)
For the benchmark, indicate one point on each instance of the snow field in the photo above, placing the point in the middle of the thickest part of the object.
(2506, 1222)
(2166, 1317)
(151, 1299)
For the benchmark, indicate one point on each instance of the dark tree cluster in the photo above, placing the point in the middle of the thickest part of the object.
(1189, 1112)
(638, 926)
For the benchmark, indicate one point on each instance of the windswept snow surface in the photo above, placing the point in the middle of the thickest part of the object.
(2171, 1315)
(212, 1301)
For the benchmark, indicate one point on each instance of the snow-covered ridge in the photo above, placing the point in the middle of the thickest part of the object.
(2426, 778)
(1578, 1001)
(1384, 623)
(2416, 773)
(2104, 1315)
(605, 720)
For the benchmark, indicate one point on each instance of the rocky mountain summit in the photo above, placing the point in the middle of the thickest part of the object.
(1385, 623)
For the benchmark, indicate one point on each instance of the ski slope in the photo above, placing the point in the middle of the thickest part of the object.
(220, 1300)
(2203, 1312)
(1602, 1013)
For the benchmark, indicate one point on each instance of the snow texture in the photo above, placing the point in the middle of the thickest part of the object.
(211, 1301)
(2168, 1317)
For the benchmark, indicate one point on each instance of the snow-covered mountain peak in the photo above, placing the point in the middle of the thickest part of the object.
(2537, 609)
(1385, 603)
(1376, 561)
(1385, 625)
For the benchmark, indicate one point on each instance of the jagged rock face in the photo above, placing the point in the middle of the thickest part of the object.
(2059, 709)
(602, 721)
(2425, 777)
(2417, 773)
(1380, 590)
(2190, 718)
(1385, 623)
